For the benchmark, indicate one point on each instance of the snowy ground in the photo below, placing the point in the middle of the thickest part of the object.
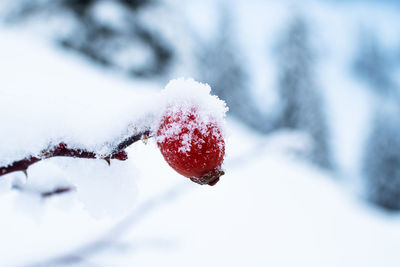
(270, 209)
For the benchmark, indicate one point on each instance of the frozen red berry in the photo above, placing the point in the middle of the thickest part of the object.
(191, 145)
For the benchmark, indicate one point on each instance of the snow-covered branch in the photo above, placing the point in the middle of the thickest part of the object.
(62, 150)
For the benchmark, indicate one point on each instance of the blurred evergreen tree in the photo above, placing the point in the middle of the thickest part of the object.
(372, 63)
(220, 64)
(301, 102)
(119, 45)
(381, 162)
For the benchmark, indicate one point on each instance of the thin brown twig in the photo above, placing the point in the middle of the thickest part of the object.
(57, 191)
(45, 194)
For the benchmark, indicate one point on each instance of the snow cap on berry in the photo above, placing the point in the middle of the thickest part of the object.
(185, 94)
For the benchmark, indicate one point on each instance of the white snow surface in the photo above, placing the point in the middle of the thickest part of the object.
(270, 209)
(42, 107)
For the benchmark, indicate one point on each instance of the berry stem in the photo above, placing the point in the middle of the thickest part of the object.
(62, 150)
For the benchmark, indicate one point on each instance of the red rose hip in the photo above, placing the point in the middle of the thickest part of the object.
(192, 146)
